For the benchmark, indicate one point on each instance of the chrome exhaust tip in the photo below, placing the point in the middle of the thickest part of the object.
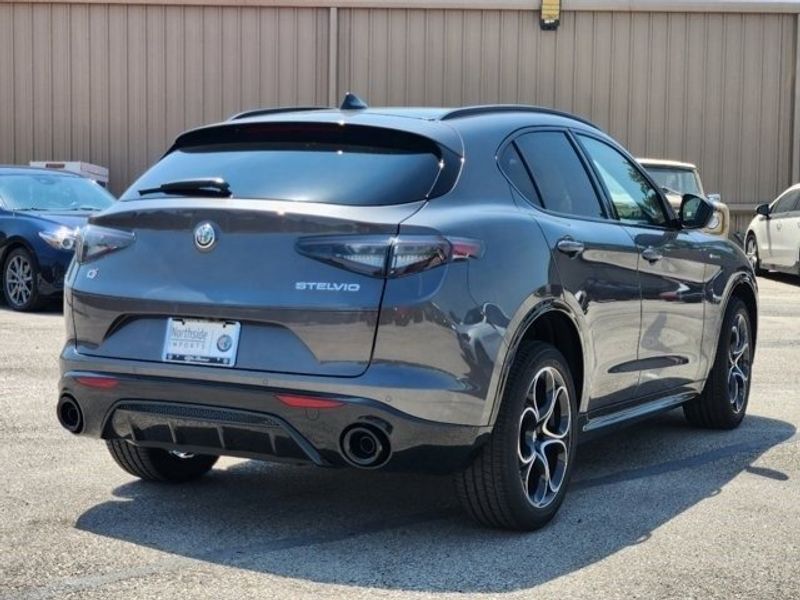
(365, 446)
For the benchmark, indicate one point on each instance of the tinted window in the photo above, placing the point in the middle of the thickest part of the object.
(634, 199)
(558, 174)
(42, 191)
(333, 164)
(511, 164)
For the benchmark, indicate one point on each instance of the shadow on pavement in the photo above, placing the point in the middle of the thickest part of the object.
(782, 278)
(406, 532)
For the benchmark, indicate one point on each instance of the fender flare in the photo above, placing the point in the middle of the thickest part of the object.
(529, 312)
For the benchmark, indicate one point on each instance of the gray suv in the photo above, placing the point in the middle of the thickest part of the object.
(465, 291)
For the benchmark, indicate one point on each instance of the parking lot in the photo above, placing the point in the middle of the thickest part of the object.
(656, 510)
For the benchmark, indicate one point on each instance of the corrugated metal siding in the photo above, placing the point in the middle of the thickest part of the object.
(114, 84)
(713, 89)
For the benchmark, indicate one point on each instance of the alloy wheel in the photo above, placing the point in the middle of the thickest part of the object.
(19, 280)
(545, 427)
(738, 363)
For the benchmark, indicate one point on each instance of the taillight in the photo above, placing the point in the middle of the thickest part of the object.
(94, 241)
(386, 256)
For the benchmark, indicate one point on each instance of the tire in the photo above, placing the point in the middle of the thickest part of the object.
(155, 464)
(21, 281)
(506, 484)
(751, 249)
(723, 403)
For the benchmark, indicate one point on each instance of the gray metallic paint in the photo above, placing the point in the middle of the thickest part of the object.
(435, 346)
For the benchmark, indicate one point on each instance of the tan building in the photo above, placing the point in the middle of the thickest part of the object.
(714, 83)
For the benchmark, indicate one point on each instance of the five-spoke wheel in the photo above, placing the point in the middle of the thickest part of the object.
(739, 362)
(544, 430)
(519, 478)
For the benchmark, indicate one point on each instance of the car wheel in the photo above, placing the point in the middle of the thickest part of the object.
(751, 249)
(723, 403)
(20, 281)
(519, 478)
(155, 464)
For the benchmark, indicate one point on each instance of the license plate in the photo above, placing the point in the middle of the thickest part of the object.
(201, 342)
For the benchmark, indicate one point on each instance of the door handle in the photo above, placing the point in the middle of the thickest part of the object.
(570, 247)
(652, 255)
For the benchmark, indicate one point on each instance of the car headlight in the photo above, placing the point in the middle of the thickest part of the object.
(715, 221)
(62, 238)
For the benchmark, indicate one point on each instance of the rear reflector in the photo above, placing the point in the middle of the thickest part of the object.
(296, 401)
(100, 383)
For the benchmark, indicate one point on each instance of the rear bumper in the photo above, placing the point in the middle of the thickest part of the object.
(211, 417)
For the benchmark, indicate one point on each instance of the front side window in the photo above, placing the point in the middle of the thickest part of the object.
(634, 199)
(560, 178)
(52, 192)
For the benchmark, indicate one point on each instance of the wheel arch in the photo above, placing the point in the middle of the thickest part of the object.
(552, 322)
(744, 289)
(12, 244)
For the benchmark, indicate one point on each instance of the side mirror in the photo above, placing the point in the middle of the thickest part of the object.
(763, 210)
(695, 212)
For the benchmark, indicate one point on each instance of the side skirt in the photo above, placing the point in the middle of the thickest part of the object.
(637, 412)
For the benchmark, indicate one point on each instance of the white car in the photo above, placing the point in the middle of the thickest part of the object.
(773, 237)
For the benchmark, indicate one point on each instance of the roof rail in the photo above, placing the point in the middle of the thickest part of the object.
(257, 112)
(471, 111)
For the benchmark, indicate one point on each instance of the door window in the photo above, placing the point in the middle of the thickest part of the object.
(634, 199)
(558, 174)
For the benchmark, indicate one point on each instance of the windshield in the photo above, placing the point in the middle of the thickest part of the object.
(683, 181)
(356, 166)
(52, 192)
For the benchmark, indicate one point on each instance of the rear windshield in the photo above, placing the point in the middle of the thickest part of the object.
(334, 164)
(682, 181)
(52, 192)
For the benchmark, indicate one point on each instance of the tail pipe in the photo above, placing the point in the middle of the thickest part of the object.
(69, 414)
(365, 446)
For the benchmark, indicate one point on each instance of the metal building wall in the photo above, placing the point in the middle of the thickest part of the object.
(714, 89)
(113, 84)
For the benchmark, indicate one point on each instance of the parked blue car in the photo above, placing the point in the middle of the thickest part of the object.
(40, 211)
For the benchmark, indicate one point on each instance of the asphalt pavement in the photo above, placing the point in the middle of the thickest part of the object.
(657, 510)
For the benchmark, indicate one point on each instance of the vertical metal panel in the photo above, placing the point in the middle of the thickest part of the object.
(114, 84)
(715, 89)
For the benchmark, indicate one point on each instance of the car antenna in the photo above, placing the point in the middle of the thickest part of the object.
(352, 102)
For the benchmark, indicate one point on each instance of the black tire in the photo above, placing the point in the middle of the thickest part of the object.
(720, 406)
(155, 464)
(492, 489)
(751, 249)
(26, 298)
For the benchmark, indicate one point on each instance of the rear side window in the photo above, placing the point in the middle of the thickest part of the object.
(559, 175)
(329, 163)
(511, 164)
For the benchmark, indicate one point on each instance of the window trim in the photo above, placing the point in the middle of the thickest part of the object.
(671, 220)
(518, 133)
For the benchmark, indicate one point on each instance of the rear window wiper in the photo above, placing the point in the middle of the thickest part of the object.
(209, 186)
